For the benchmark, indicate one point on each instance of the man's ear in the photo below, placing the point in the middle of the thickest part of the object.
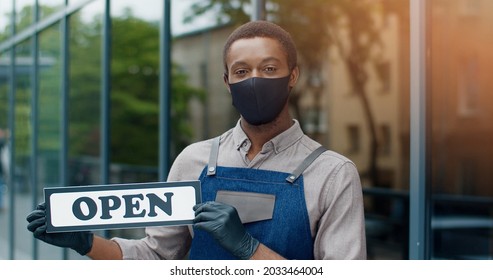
(226, 81)
(293, 79)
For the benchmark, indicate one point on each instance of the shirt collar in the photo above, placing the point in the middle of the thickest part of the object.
(281, 142)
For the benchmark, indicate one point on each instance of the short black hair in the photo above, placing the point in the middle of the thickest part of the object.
(264, 29)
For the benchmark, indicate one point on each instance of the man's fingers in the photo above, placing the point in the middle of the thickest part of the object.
(204, 217)
(204, 206)
(41, 206)
(36, 214)
(35, 224)
(40, 231)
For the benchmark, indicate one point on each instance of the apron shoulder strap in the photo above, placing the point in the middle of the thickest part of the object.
(306, 162)
(211, 169)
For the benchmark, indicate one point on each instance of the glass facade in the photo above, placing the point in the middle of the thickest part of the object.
(461, 129)
(80, 95)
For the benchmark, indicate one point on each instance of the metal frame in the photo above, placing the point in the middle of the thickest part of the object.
(33, 31)
(165, 91)
(418, 190)
(34, 119)
(11, 142)
(10, 46)
(64, 110)
(41, 25)
(105, 125)
(258, 10)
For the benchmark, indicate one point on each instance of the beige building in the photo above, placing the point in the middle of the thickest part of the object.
(387, 96)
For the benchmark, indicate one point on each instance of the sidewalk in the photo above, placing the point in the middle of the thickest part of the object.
(23, 239)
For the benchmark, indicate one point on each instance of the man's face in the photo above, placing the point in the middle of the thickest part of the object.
(257, 57)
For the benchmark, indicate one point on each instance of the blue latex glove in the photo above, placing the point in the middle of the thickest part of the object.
(78, 241)
(223, 223)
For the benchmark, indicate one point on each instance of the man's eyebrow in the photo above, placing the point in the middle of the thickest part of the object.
(265, 60)
(239, 63)
(270, 58)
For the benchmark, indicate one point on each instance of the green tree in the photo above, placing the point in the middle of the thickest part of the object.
(134, 91)
(134, 88)
(135, 85)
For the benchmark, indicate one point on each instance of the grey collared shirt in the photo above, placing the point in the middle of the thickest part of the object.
(332, 187)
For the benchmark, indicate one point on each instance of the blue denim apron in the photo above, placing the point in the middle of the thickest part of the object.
(287, 233)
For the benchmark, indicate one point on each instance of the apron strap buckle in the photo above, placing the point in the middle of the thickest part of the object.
(211, 169)
(306, 162)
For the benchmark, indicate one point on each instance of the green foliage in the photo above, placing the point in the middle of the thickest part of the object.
(49, 111)
(135, 99)
(134, 90)
(84, 86)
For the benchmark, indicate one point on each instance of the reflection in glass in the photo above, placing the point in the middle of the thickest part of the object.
(147, 10)
(361, 86)
(135, 90)
(135, 94)
(23, 68)
(49, 107)
(4, 101)
(23, 14)
(48, 7)
(5, 20)
(21, 185)
(84, 95)
(4, 88)
(462, 131)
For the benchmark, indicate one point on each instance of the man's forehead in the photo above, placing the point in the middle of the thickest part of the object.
(256, 40)
(265, 47)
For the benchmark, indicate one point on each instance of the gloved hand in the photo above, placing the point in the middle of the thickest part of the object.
(223, 223)
(78, 241)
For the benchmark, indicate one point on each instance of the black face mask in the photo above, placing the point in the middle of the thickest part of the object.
(260, 100)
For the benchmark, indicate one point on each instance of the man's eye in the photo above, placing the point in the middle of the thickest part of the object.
(240, 72)
(269, 69)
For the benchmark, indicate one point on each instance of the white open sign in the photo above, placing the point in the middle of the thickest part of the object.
(121, 205)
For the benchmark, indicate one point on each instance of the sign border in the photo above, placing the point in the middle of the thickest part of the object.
(95, 188)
